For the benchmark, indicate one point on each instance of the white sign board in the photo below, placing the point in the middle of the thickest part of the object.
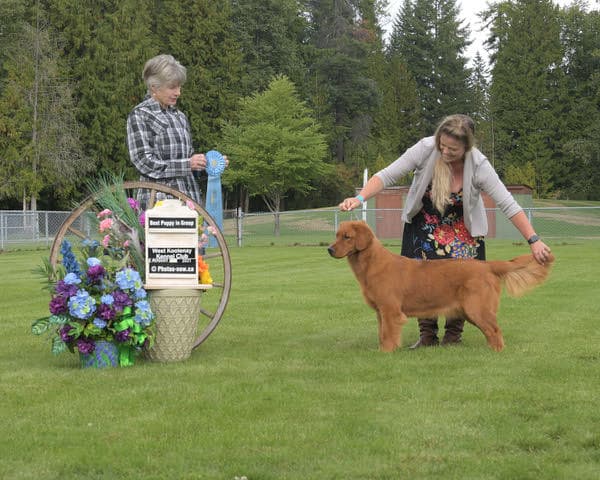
(171, 246)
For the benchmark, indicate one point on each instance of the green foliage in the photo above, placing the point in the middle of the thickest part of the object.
(520, 174)
(276, 146)
(40, 326)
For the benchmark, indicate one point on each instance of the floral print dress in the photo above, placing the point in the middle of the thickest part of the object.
(433, 236)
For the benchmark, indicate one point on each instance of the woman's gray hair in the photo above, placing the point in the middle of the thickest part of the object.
(163, 70)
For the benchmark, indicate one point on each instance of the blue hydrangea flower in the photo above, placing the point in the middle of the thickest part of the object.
(107, 299)
(72, 279)
(90, 243)
(93, 262)
(82, 305)
(129, 279)
(143, 313)
(140, 293)
(100, 323)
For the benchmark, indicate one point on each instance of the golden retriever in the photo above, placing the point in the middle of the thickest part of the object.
(397, 287)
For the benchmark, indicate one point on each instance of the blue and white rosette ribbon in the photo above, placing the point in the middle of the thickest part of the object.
(215, 164)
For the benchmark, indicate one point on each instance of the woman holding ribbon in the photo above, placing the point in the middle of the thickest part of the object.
(158, 134)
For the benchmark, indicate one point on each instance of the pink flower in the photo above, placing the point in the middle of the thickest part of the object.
(126, 243)
(104, 213)
(106, 224)
(106, 241)
(190, 205)
(142, 219)
(431, 219)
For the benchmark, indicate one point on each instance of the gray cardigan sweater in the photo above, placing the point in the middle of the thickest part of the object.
(479, 176)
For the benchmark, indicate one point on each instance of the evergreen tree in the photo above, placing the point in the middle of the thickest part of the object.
(198, 34)
(344, 95)
(480, 108)
(107, 44)
(399, 120)
(276, 147)
(580, 177)
(40, 148)
(270, 34)
(527, 92)
(429, 37)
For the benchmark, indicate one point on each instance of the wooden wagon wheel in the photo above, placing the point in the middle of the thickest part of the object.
(75, 225)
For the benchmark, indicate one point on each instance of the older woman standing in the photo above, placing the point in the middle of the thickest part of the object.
(444, 215)
(158, 134)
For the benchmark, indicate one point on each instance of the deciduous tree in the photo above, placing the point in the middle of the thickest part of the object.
(276, 146)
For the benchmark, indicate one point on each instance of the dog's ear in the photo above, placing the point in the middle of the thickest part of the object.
(363, 236)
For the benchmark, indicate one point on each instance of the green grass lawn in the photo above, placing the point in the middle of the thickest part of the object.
(291, 386)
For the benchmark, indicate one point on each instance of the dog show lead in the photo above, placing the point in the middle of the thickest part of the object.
(443, 213)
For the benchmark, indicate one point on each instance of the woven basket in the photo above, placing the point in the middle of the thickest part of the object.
(177, 313)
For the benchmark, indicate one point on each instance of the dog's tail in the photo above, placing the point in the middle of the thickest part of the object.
(522, 274)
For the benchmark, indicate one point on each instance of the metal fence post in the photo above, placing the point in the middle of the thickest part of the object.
(46, 229)
(239, 215)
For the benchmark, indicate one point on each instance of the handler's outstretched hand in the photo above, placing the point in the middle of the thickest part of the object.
(349, 203)
(541, 252)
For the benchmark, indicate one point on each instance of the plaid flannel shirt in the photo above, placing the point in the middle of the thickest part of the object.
(160, 148)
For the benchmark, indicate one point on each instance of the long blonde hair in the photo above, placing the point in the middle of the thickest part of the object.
(462, 128)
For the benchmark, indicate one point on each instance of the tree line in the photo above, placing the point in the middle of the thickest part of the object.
(70, 72)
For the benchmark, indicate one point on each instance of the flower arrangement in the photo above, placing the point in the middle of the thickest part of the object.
(97, 292)
(100, 296)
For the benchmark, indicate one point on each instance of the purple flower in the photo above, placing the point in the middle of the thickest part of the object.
(95, 273)
(64, 333)
(105, 312)
(58, 305)
(121, 300)
(65, 289)
(85, 346)
(133, 203)
(122, 336)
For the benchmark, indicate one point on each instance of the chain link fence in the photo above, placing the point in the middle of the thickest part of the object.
(31, 230)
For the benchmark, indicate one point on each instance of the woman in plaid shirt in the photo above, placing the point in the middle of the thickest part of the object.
(158, 135)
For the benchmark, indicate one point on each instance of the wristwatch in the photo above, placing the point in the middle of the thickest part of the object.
(534, 238)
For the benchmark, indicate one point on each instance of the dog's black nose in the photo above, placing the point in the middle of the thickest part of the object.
(331, 251)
